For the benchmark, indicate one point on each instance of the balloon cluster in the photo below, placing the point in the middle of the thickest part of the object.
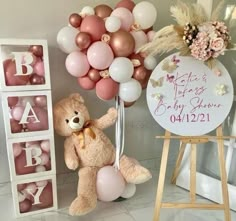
(102, 45)
(26, 200)
(38, 76)
(20, 157)
(16, 108)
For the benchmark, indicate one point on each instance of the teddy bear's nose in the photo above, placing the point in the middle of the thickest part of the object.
(76, 120)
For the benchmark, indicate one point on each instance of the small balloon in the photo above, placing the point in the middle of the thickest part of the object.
(36, 79)
(94, 75)
(122, 43)
(107, 89)
(110, 184)
(17, 112)
(140, 73)
(87, 10)
(45, 158)
(21, 187)
(126, 4)
(46, 197)
(24, 100)
(25, 206)
(151, 35)
(45, 146)
(41, 183)
(37, 50)
(129, 190)
(150, 62)
(17, 149)
(144, 82)
(16, 127)
(86, 83)
(12, 101)
(112, 24)
(103, 11)
(83, 40)
(140, 39)
(40, 168)
(39, 68)
(40, 101)
(75, 20)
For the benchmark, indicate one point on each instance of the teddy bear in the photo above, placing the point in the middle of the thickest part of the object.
(87, 147)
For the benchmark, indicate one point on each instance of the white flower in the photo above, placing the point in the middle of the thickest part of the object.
(220, 89)
(217, 44)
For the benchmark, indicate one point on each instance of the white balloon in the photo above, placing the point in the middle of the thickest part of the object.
(129, 190)
(112, 24)
(121, 69)
(66, 39)
(130, 91)
(140, 39)
(150, 62)
(87, 10)
(145, 14)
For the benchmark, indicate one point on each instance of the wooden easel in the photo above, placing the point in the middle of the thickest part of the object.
(192, 204)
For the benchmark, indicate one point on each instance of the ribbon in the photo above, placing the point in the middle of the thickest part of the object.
(86, 130)
(119, 131)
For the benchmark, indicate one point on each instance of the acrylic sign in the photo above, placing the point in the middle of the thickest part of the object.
(188, 98)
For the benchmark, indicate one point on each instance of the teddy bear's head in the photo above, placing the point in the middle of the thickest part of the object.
(70, 114)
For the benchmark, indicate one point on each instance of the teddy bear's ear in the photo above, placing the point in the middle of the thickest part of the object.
(77, 97)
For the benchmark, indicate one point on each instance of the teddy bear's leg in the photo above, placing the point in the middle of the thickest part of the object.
(132, 171)
(86, 200)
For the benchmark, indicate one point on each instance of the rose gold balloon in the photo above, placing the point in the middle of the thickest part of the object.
(129, 104)
(37, 50)
(75, 20)
(140, 73)
(36, 79)
(129, 4)
(122, 43)
(83, 40)
(86, 83)
(145, 81)
(103, 11)
(94, 75)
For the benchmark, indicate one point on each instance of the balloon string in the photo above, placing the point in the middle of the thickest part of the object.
(119, 131)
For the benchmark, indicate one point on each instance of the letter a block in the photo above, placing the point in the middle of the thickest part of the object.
(28, 121)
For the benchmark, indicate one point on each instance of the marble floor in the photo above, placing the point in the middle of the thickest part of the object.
(138, 208)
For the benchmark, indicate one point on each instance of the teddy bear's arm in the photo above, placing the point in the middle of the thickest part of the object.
(70, 156)
(106, 120)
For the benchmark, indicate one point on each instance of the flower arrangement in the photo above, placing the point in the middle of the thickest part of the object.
(194, 34)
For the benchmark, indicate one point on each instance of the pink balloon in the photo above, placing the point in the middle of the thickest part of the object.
(45, 146)
(77, 64)
(93, 25)
(10, 71)
(31, 143)
(40, 101)
(140, 39)
(46, 197)
(86, 83)
(42, 116)
(17, 112)
(36, 79)
(17, 149)
(25, 206)
(39, 68)
(110, 184)
(45, 158)
(20, 165)
(150, 35)
(129, 4)
(100, 55)
(12, 101)
(107, 89)
(125, 16)
(21, 186)
(15, 126)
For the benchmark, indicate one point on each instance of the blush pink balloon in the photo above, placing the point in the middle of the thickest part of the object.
(107, 89)
(40, 101)
(20, 165)
(45, 146)
(39, 68)
(129, 4)
(17, 112)
(100, 55)
(110, 184)
(31, 143)
(150, 35)
(125, 16)
(10, 72)
(16, 127)
(77, 64)
(45, 158)
(93, 25)
(46, 197)
(21, 186)
(25, 206)
(12, 101)
(86, 83)
(42, 183)
(42, 116)
(36, 79)
(140, 39)
(17, 149)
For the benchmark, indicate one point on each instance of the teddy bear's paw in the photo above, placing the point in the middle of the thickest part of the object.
(112, 112)
(82, 205)
(137, 174)
(72, 164)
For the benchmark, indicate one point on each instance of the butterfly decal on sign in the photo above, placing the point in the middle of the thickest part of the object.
(157, 83)
(170, 65)
(170, 78)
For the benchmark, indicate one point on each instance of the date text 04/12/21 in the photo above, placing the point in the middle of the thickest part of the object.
(190, 118)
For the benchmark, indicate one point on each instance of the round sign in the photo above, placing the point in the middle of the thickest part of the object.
(188, 98)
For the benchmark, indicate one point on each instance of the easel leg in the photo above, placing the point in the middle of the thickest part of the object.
(193, 173)
(178, 162)
(162, 174)
(223, 174)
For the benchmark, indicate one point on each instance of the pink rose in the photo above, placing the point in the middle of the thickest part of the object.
(217, 44)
